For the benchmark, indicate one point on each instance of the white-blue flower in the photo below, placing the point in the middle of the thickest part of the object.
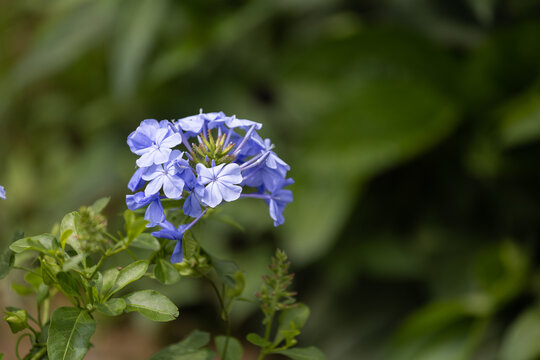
(2, 192)
(165, 176)
(221, 183)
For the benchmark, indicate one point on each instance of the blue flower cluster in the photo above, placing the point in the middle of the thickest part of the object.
(2, 192)
(203, 160)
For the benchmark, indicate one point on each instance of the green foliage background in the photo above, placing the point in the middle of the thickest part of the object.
(412, 129)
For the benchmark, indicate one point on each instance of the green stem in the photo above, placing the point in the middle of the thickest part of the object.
(18, 342)
(39, 354)
(17, 267)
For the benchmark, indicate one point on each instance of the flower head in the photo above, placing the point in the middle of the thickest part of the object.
(201, 161)
(2, 192)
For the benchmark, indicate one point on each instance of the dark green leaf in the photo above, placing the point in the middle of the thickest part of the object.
(225, 270)
(165, 272)
(7, 258)
(68, 283)
(69, 334)
(113, 307)
(129, 274)
(151, 304)
(234, 348)
(187, 349)
(309, 353)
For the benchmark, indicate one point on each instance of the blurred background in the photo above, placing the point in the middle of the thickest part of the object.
(412, 128)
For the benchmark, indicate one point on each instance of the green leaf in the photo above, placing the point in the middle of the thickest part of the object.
(16, 318)
(68, 283)
(49, 270)
(187, 349)
(146, 242)
(165, 272)
(71, 222)
(190, 246)
(7, 259)
(129, 274)
(521, 340)
(33, 280)
(134, 225)
(138, 27)
(69, 334)
(309, 353)
(225, 270)
(113, 307)
(151, 304)
(109, 279)
(42, 243)
(21, 289)
(291, 319)
(99, 205)
(63, 238)
(234, 348)
(256, 339)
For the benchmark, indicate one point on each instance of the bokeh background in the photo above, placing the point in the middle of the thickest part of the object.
(412, 128)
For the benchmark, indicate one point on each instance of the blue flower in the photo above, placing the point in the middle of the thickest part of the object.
(2, 192)
(153, 142)
(277, 201)
(136, 182)
(165, 176)
(221, 183)
(168, 231)
(154, 213)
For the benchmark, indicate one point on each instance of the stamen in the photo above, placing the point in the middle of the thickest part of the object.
(246, 138)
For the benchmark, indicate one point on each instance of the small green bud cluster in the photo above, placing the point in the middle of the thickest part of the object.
(92, 226)
(210, 149)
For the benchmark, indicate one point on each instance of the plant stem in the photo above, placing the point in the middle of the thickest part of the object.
(39, 354)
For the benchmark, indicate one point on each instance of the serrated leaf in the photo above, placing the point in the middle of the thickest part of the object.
(99, 205)
(42, 243)
(113, 307)
(234, 348)
(165, 272)
(152, 305)
(309, 353)
(129, 274)
(187, 349)
(69, 334)
(297, 315)
(256, 339)
(146, 242)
